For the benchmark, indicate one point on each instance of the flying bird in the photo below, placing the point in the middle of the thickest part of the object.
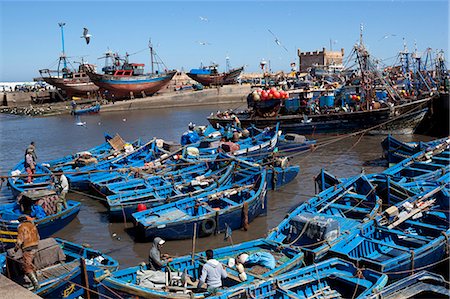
(387, 36)
(277, 41)
(203, 43)
(205, 19)
(86, 35)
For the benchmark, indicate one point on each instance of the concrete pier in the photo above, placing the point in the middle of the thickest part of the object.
(9, 289)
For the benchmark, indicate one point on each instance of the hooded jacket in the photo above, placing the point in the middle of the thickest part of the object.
(212, 274)
(27, 235)
(154, 257)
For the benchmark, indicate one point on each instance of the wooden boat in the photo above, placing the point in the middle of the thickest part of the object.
(47, 226)
(131, 179)
(209, 75)
(211, 212)
(402, 118)
(398, 246)
(395, 150)
(97, 152)
(74, 83)
(423, 284)
(125, 282)
(18, 179)
(325, 219)
(332, 278)
(89, 110)
(256, 146)
(136, 156)
(122, 83)
(428, 164)
(128, 79)
(159, 190)
(61, 273)
(294, 143)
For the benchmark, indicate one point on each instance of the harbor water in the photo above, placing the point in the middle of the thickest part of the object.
(59, 136)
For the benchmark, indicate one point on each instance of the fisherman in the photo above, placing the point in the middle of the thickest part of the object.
(212, 273)
(27, 241)
(190, 136)
(32, 149)
(156, 260)
(62, 187)
(30, 165)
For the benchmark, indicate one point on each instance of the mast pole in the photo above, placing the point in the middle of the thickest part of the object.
(63, 56)
(151, 53)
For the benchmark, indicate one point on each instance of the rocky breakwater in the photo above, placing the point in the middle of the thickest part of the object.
(40, 110)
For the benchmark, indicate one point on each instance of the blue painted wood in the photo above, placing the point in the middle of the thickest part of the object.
(332, 278)
(223, 206)
(124, 283)
(68, 283)
(46, 226)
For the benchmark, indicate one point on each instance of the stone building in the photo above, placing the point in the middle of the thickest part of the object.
(320, 58)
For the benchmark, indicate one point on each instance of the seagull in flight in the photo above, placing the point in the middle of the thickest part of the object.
(204, 43)
(387, 36)
(277, 41)
(204, 19)
(86, 35)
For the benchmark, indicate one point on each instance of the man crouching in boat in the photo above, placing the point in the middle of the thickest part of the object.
(157, 260)
(212, 273)
(27, 241)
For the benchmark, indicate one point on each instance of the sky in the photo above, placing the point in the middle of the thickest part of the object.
(31, 38)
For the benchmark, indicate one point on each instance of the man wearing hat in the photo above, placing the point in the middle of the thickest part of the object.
(27, 241)
(156, 260)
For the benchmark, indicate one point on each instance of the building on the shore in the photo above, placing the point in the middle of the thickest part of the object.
(319, 58)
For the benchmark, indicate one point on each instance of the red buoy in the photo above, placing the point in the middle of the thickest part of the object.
(141, 207)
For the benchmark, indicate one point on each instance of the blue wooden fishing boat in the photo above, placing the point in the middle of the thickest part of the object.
(423, 284)
(325, 219)
(89, 110)
(18, 179)
(60, 273)
(96, 152)
(79, 177)
(278, 176)
(410, 235)
(255, 144)
(232, 206)
(46, 226)
(132, 179)
(333, 278)
(173, 186)
(395, 150)
(294, 143)
(129, 282)
(429, 164)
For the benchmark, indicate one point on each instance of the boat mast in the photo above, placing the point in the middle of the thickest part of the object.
(363, 60)
(150, 46)
(63, 55)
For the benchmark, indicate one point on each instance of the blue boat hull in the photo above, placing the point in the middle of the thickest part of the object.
(46, 226)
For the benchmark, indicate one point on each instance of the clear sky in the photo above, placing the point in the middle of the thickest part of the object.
(30, 36)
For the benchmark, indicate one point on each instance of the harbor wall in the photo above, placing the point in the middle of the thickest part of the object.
(24, 99)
